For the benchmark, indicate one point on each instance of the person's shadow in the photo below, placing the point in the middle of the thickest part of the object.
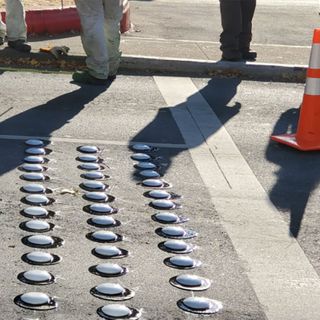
(298, 175)
(42, 121)
(162, 129)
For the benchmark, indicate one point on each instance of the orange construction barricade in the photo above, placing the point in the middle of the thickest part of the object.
(307, 137)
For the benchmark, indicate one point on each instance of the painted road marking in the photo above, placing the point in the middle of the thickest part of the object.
(285, 282)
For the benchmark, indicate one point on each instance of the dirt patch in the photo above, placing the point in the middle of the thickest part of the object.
(41, 4)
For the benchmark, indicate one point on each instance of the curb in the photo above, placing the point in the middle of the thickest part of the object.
(147, 65)
(58, 21)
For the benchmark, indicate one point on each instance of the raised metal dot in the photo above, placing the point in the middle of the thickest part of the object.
(112, 292)
(149, 174)
(34, 188)
(118, 311)
(33, 176)
(34, 142)
(88, 158)
(98, 197)
(169, 218)
(32, 167)
(164, 204)
(108, 270)
(141, 147)
(174, 232)
(155, 183)
(190, 282)
(35, 301)
(100, 209)
(158, 194)
(41, 258)
(36, 226)
(37, 199)
(90, 166)
(35, 212)
(140, 157)
(104, 221)
(41, 241)
(93, 175)
(200, 305)
(182, 262)
(104, 236)
(88, 149)
(176, 246)
(145, 165)
(37, 277)
(36, 151)
(109, 252)
(93, 186)
(34, 159)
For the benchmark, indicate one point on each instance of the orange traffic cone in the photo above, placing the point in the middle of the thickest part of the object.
(307, 137)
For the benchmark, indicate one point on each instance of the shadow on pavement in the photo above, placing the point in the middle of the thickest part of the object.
(298, 174)
(43, 120)
(218, 93)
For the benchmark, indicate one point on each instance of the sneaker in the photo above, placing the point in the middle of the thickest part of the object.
(84, 77)
(19, 45)
(249, 55)
(1, 41)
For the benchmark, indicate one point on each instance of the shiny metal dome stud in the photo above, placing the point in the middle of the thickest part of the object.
(88, 149)
(90, 166)
(164, 205)
(141, 157)
(35, 159)
(200, 305)
(190, 282)
(169, 218)
(98, 197)
(109, 252)
(32, 167)
(103, 222)
(36, 226)
(94, 175)
(36, 151)
(104, 236)
(161, 195)
(143, 165)
(118, 311)
(41, 241)
(100, 209)
(41, 258)
(37, 200)
(33, 188)
(175, 232)
(34, 176)
(35, 301)
(34, 143)
(36, 277)
(112, 292)
(36, 212)
(108, 270)
(88, 158)
(93, 186)
(182, 262)
(141, 147)
(155, 183)
(176, 246)
(148, 174)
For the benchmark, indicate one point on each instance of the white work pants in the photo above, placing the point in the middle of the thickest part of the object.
(15, 21)
(100, 22)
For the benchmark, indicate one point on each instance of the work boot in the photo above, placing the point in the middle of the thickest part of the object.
(249, 55)
(84, 77)
(19, 45)
(1, 41)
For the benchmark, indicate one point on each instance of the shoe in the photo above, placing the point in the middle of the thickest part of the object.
(84, 77)
(19, 45)
(232, 56)
(249, 55)
(1, 41)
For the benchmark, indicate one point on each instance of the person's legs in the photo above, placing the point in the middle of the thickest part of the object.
(93, 37)
(247, 8)
(16, 25)
(231, 21)
(2, 31)
(113, 14)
